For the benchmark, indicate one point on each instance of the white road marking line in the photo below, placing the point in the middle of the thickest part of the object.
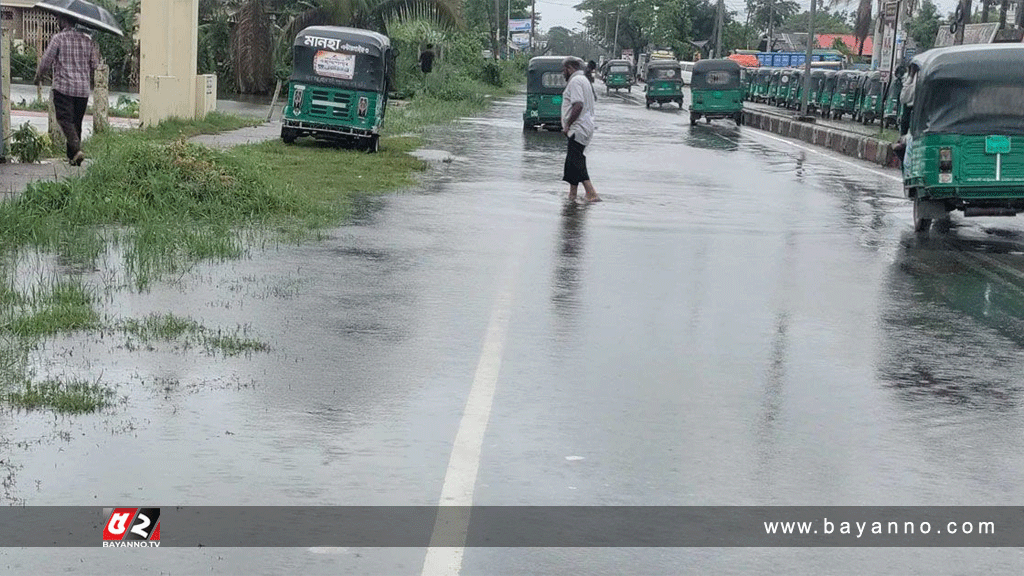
(821, 153)
(463, 466)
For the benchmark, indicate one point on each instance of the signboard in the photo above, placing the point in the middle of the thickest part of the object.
(521, 39)
(891, 9)
(519, 25)
(334, 64)
(888, 41)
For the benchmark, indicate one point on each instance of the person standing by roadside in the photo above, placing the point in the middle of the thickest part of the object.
(427, 59)
(578, 126)
(72, 58)
(907, 97)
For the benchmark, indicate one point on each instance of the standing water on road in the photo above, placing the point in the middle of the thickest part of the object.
(742, 321)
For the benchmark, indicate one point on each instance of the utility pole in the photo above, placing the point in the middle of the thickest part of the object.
(718, 29)
(965, 18)
(533, 23)
(497, 30)
(615, 45)
(805, 98)
(508, 33)
(771, 24)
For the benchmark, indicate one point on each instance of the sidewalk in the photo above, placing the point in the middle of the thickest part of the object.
(14, 177)
(871, 130)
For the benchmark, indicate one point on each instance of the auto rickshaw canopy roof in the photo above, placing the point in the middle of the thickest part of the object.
(970, 89)
(344, 39)
(549, 63)
(715, 64)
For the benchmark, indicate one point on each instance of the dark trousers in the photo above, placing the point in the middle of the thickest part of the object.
(575, 163)
(905, 120)
(70, 110)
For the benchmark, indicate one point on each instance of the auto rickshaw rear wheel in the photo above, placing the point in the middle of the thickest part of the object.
(707, 119)
(373, 145)
(288, 135)
(648, 102)
(693, 118)
(920, 224)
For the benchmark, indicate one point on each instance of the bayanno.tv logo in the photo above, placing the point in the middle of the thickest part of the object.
(131, 528)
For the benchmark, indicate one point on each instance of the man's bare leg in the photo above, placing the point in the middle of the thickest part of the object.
(591, 195)
(572, 192)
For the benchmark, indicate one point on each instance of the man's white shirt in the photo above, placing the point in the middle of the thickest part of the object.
(579, 90)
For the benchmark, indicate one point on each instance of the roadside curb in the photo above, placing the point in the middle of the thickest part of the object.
(846, 143)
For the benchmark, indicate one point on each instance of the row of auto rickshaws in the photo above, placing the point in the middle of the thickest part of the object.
(862, 95)
(716, 88)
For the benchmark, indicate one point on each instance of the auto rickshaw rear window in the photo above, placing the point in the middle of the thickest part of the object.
(718, 77)
(665, 73)
(961, 107)
(618, 70)
(553, 80)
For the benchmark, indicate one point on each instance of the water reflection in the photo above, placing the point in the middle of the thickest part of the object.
(952, 324)
(713, 137)
(567, 277)
(544, 141)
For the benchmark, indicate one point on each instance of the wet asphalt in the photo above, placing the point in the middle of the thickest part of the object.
(744, 320)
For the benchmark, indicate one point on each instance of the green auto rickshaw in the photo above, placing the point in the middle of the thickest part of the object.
(893, 106)
(761, 81)
(774, 81)
(828, 87)
(545, 83)
(716, 91)
(872, 102)
(664, 82)
(845, 93)
(619, 76)
(817, 83)
(965, 146)
(796, 89)
(858, 95)
(338, 89)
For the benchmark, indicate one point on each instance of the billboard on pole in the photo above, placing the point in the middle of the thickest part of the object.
(519, 25)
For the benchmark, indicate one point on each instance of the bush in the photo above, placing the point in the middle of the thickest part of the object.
(27, 144)
(23, 62)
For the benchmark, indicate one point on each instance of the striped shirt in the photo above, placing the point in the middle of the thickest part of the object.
(74, 56)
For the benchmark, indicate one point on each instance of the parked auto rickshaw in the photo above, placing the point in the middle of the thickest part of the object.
(796, 89)
(338, 89)
(716, 91)
(619, 76)
(860, 89)
(845, 93)
(545, 83)
(965, 146)
(817, 81)
(774, 82)
(893, 106)
(872, 103)
(828, 87)
(664, 82)
(761, 81)
(782, 95)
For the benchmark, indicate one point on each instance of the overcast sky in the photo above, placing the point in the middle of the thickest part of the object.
(562, 13)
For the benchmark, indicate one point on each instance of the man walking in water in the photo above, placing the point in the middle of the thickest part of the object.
(578, 126)
(74, 56)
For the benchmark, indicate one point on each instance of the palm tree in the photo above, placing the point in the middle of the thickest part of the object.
(258, 55)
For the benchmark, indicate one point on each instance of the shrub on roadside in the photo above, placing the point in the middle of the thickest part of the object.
(27, 144)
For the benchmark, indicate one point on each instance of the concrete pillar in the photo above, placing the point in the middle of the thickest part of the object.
(100, 102)
(5, 95)
(169, 45)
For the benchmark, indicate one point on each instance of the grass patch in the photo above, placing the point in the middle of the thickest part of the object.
(66, 306)
(73, 397)
(415, 115)
(189, 333)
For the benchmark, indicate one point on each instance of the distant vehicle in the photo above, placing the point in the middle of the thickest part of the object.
(664, 82)
(717, 91)
(618, 76)
(687, 71)
(963, 149)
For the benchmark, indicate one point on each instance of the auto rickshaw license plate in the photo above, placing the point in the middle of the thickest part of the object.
(556, 100)
(997, 145)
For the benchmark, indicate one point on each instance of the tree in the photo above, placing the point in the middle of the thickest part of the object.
(253, 37)
(862, 23)
(825, 22)
(924, 26)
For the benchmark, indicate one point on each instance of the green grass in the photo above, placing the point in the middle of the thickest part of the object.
(189, 334)
(66, 306)
(73, 397)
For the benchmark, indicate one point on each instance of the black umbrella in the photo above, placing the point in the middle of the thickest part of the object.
(83, 12)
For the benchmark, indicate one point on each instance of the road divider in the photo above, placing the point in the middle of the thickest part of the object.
(847, 143)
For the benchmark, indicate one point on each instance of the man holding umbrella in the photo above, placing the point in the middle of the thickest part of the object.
(73, 57)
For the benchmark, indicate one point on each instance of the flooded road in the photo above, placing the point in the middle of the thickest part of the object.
(743, 321)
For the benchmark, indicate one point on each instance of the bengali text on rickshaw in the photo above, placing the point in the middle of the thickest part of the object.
(334, 65)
